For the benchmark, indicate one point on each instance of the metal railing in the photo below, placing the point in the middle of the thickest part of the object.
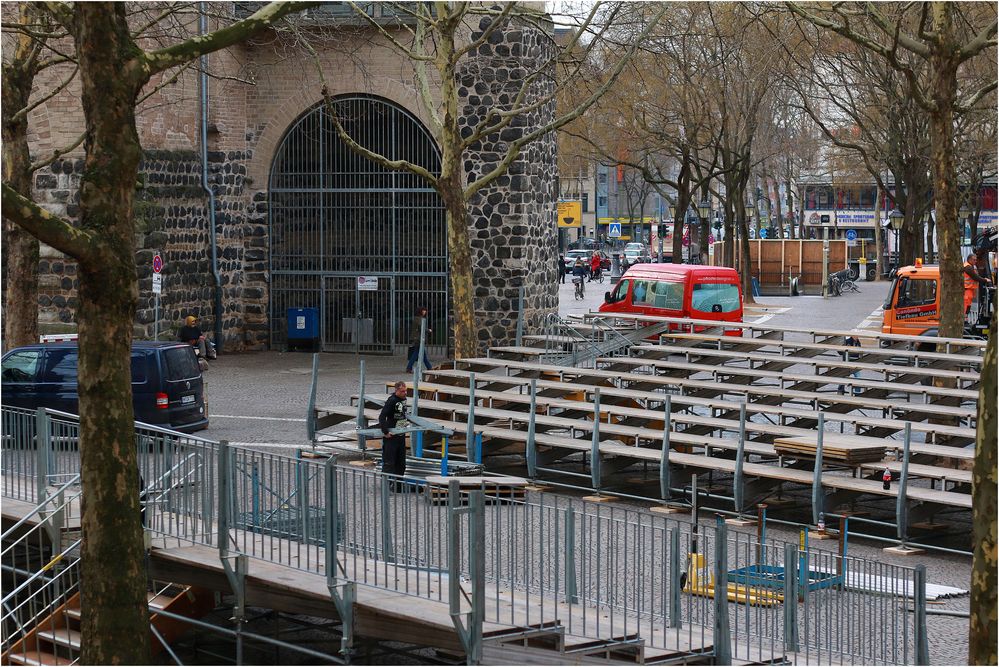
(40, 561)
(617, 575)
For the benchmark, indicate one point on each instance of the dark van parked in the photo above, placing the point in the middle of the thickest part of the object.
(167, 388)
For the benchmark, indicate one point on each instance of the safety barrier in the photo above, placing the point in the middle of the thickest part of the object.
(614, 574)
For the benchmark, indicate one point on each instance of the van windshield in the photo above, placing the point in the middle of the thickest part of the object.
(181, 363)
(715, 298)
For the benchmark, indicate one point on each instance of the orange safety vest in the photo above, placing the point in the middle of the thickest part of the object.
(970, 284)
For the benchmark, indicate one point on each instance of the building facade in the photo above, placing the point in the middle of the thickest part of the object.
(256, 206)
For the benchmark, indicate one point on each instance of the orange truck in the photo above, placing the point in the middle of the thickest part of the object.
(913, 304)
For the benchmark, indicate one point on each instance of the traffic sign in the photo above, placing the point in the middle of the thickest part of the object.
(157, 282)
(157, 263)
(851, 235)
(764, 233)
(614, 230)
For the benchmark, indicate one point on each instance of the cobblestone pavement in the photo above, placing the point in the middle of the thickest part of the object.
(262, 398)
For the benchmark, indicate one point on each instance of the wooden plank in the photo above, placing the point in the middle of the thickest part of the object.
(769, 328)
(925, 411)
(818, 362)
(831, 479)
(782, 344)
(616, 363)
(770, 411)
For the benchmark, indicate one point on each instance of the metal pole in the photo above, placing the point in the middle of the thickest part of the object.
(738, 488)
(571, 591)
(664, 480)
(453, 557)
(790, 598)
(595, 442)
(532, 451)
(362, 421)
(388, 547)
(156, 316)
(825, 262)
(43, 439)
(470, 424)
(477, 570)
(693, 513)
(310, 417)
(922, 642)
(722, 636)
(901, 507)
(817, 497)
(675, 575)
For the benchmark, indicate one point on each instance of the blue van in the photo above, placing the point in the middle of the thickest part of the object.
(167, 387)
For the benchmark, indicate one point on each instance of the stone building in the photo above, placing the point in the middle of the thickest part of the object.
(299, 218)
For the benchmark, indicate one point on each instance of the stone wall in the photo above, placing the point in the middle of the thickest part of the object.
(171, 212)
(512, 221)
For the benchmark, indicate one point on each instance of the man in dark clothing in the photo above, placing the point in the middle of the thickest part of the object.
(191, 334)
(393, 415)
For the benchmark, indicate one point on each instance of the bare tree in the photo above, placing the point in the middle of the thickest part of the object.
(944, 36)
(442, 39)
(113, 71)
(29, 56)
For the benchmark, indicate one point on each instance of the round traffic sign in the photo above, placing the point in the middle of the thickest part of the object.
(851, 235)
(157, 263)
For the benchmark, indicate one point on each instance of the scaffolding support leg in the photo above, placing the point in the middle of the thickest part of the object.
(342, 591)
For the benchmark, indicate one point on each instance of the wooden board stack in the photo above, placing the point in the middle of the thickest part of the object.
(851, 452)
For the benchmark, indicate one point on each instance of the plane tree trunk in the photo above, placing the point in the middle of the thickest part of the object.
(20, 248)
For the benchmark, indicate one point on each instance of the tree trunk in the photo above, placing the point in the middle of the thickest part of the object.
(879, 246)
(745, 264)
(20, 249)
(115, 625)
(984, 635)
(943, 65)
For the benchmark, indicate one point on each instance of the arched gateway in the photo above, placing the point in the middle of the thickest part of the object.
(341, 225)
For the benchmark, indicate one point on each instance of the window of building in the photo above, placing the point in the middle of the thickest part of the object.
(586, 202)
(601, 201)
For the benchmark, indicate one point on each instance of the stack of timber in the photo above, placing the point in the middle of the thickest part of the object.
(495, 489)
(852, 452)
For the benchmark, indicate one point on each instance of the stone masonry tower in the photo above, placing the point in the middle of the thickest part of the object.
(512, 221)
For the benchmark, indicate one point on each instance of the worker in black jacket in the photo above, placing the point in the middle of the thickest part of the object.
(393, 415)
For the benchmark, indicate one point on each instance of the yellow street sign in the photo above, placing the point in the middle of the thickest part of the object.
(570, 213)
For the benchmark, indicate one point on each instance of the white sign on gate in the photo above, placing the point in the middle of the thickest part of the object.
(157, 283)
(367, 283)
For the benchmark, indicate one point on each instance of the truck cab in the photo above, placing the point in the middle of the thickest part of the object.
(913, 304)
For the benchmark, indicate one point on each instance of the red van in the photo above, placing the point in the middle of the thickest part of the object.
(678, 290)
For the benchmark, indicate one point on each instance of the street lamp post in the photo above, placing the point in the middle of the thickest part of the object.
(897, 218)
(750, 211)
(703, 211)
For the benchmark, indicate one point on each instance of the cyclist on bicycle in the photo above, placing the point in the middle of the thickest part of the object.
(594, 266)
(579, 271)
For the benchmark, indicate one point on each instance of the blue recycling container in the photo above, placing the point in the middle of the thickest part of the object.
(303, 324)
(756, 286)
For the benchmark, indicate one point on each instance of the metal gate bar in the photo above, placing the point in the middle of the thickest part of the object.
(335, 216)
